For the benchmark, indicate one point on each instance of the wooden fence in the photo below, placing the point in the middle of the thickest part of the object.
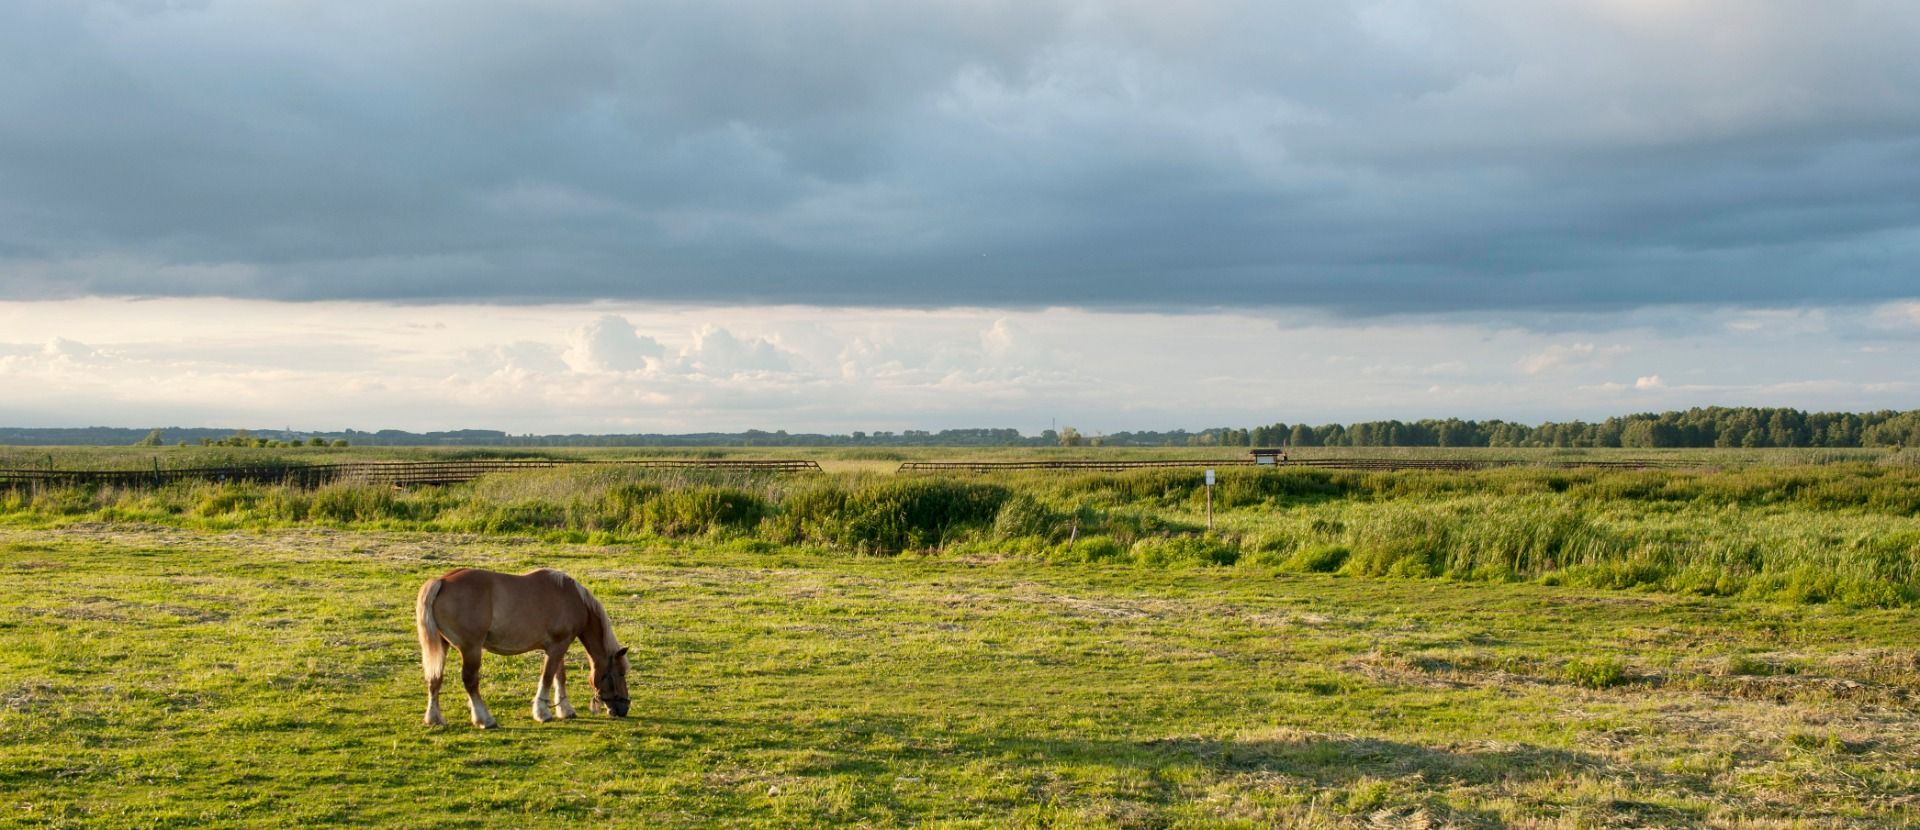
(398, 473)
(766, 465)
(1067, 464)
(1386, 464)
(411, 473)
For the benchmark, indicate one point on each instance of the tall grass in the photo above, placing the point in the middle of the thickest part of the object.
(1844, 533)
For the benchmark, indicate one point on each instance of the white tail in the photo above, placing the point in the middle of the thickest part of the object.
(433, 645)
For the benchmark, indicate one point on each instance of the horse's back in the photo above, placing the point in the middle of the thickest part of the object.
(507, 612)
(540, 582)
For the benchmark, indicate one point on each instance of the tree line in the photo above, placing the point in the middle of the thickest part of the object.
(1715, 426)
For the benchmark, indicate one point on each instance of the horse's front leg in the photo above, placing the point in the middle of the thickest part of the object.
(560, 704)
(541, 711)
(470, 676)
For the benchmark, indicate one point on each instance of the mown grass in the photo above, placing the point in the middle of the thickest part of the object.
(161, 677)
(1839, 533)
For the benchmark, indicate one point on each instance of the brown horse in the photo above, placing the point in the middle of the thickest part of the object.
(507, 614)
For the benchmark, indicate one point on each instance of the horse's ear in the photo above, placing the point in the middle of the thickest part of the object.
(621, 653)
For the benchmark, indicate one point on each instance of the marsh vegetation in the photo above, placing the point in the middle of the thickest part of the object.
(1843, 532)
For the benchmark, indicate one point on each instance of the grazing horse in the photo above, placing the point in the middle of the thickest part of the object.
(507, 614)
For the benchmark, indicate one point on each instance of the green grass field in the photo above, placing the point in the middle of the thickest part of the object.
(1733, 646)
(171, 677)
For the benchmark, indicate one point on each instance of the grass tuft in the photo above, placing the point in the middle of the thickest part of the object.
(1595, 672)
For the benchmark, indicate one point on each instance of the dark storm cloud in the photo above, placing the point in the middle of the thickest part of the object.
(1364, 156)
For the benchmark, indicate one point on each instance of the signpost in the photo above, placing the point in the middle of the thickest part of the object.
(1209, 499)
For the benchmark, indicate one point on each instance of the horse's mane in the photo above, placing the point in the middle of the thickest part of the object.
(600, 618)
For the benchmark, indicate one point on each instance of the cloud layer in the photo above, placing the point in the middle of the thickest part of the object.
(647, 368)
(1365, 156)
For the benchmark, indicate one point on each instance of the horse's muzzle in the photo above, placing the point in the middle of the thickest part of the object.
(617, 706)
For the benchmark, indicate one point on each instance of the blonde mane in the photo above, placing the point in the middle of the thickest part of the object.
(610, 643)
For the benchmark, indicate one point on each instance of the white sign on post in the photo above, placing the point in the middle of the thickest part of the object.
(1209, 500)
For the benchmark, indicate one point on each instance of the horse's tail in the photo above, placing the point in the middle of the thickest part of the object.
(433, 644)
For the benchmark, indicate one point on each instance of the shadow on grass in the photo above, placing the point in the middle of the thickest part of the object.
(1341, 770)
(1358, 775)
(1341, 762)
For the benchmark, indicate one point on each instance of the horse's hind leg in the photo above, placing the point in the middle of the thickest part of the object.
(470, 676)
(436, 668)
(560, 705)
(541, 712)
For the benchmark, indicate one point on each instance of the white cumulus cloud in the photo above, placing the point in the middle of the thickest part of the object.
(718, 352)
(610, 344)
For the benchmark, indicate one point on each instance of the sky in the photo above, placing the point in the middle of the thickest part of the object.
(594, 216)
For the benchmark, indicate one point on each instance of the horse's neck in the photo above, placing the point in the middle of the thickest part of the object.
(598, 637)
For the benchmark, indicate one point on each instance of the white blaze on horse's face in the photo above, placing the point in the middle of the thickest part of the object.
(610, 683)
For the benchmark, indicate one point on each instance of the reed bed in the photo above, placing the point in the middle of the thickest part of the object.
(1841, 532)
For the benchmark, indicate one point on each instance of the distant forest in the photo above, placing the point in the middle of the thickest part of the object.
(1748, 427)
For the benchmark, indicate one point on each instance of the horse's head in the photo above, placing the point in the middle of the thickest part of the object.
(610, 682)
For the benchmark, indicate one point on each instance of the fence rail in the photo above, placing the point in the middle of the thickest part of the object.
(1074, 464)
(412, 473)
(1387, 464)
(399, 473)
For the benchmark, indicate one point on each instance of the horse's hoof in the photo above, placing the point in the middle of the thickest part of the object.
(487, 724)
(434, 721)
(567, 714)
